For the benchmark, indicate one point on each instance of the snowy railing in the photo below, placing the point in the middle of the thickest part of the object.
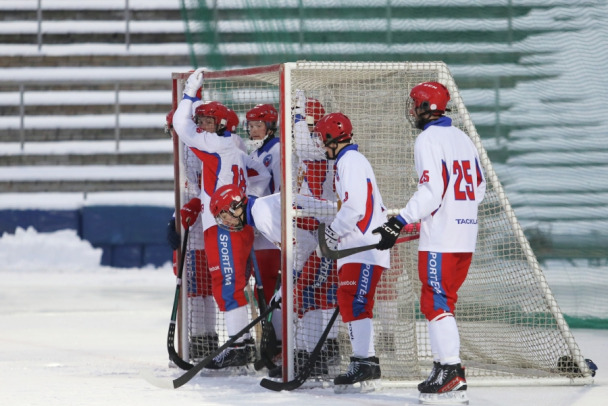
(29, 80)
(127, 6)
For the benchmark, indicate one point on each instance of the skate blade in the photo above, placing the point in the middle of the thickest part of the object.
(448, 398)
(359, 387)
(315, 383)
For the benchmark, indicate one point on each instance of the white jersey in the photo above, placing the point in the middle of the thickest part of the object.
(450, 189)
(223, 163)
(264, 214)
(361, 209)
(193, 189)
(315, 173)
(269, 155)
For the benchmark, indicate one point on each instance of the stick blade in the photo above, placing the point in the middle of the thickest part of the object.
(327, 253)
(280, 386)
(156, 381)
(338, 254)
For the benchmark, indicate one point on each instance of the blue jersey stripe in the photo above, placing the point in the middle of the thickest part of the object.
(434, 280)
(363, 286)
(224, 244)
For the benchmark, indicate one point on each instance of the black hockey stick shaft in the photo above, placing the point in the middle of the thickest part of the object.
(173, 355)
(192, 372)
(268, 342)
(259, 287)
(305, 371)
(338, 254)
(269, 346)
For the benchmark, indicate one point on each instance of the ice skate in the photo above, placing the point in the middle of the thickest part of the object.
(432, 376)
(448, 387)
(363, 375)
(239, 355)
(252, 354)
(301, 358)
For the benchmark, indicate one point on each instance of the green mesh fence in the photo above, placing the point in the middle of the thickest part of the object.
(530, 72)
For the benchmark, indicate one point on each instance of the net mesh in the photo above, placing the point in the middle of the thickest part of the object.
(510, 324)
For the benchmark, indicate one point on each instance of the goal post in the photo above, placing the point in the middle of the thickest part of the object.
(511, 328)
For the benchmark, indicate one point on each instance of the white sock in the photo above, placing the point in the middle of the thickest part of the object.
(444, 333)
(197, 314)
(361, 334)
(312, 323)
(333, 332)
(235, 320)
(433, 341)
(277, 323)
(210, 315)
(300, 344)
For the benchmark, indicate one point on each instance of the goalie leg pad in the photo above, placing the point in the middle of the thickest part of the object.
(455, 397)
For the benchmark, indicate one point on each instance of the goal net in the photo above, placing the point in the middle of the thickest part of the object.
(511, 328)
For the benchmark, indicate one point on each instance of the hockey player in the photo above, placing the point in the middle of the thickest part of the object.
(450, 190)
(264, 147)
(361, 211)
(233, 210)
(223, 163)
(315, 175)
(316, 285)
(203, 336)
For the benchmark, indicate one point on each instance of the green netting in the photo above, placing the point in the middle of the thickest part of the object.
(531, 72)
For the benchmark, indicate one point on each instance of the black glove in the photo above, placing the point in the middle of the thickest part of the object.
(389, 232)
(172, 236)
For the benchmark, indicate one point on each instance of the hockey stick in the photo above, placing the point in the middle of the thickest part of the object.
(269, 347)
(266, 353)
(305, 371)
(192, 372)
(173, 355)
(337, 254)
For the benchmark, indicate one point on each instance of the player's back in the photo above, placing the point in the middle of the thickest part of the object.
(463, 187)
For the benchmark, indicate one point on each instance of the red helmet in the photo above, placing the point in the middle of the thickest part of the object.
(228, 198)
(431, 96)
(213, 109)
(334, 127)
(232, 121)
(314, 111)
(263, 112)
(266, 113)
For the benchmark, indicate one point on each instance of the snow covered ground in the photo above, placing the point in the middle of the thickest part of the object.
(76, 333)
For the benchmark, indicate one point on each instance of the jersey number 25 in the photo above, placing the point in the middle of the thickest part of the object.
(463, 186)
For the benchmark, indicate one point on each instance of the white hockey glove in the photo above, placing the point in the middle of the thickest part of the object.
(300, 106)
(276, 299)
(194, 82)
(331, 238)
